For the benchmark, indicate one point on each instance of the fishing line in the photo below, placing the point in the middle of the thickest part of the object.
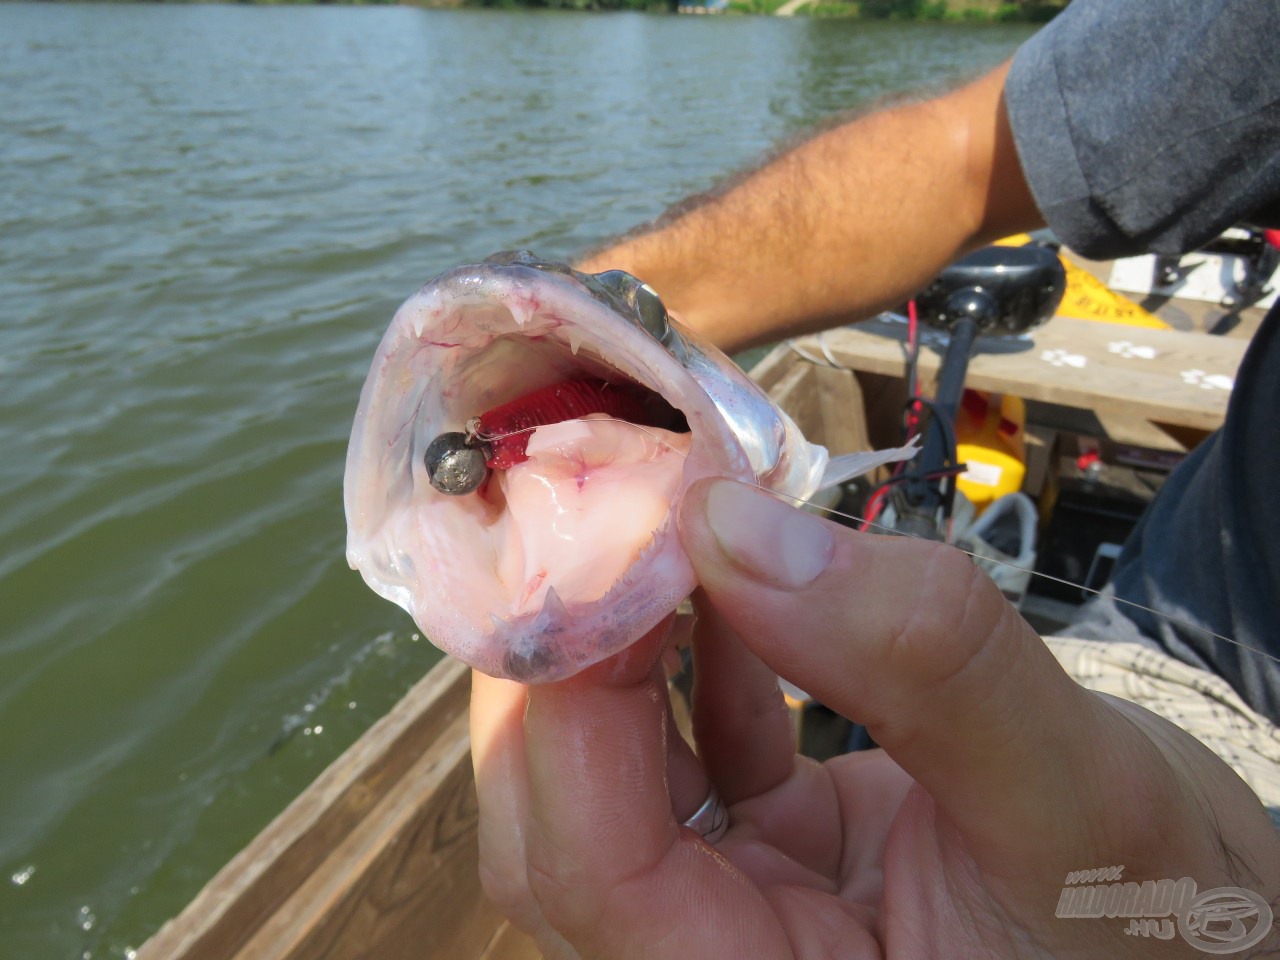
(1035, 573)
(604, 418)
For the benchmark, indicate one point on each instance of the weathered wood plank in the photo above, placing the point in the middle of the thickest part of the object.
(1165, 376)
(246, 893)
(1124, 428)
(794, 393)
(843, 426)
(1041, 449)
(774, 366)
(404, 883)
(508, 943)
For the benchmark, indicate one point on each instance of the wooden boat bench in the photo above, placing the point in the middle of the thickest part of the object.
(1157, 389)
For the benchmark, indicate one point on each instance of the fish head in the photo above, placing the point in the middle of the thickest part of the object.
(571, 554)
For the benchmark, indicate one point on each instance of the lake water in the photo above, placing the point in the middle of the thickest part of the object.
(207, 217)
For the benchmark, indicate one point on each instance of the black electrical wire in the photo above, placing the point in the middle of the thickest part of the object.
(952, 467)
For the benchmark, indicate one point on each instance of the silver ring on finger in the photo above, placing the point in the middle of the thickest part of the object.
(711, 820)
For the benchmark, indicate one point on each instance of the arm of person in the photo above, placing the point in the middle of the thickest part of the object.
(850, 222)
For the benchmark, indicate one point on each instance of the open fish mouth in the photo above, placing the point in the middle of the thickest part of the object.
(554, 545)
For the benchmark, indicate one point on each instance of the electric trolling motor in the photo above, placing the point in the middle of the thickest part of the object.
(995, 291)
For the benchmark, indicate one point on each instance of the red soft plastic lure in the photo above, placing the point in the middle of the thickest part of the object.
(506, 428)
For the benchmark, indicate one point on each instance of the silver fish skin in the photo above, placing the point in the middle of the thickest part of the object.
(473, 572)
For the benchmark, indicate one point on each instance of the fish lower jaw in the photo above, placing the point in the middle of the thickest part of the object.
(560, 639)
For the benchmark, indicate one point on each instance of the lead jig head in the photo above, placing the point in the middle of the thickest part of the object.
(455, 463)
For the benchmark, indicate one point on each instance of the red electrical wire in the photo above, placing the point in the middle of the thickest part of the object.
(913, 352)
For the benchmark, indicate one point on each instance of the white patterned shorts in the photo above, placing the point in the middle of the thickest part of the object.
(1199, 702)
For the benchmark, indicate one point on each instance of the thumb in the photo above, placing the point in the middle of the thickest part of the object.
(909, 638)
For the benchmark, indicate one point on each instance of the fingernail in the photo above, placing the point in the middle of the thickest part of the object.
(765, 537)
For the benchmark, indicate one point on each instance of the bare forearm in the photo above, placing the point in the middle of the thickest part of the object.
(848, 223)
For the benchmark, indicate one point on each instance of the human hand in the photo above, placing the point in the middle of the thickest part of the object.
(999, 775)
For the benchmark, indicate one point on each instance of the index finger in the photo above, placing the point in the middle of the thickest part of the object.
(608, 864)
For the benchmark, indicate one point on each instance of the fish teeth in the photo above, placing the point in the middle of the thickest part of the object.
(575, 341)
(521, 311)
(627, 578)
(553, 612)
(649, 547)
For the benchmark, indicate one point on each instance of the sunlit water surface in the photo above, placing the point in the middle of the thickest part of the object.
(207, 217)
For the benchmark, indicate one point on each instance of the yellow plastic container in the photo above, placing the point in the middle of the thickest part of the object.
(989, 438)
(1088, 298)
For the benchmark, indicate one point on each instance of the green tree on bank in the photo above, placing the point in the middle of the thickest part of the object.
(1030, 11)
(1027, 11)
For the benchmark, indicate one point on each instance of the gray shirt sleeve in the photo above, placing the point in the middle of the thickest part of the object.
(1150, 124)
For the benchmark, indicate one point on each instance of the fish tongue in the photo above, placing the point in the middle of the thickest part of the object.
(579, 510)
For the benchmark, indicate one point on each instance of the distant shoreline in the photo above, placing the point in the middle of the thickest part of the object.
(932, 11)
(920, 11)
